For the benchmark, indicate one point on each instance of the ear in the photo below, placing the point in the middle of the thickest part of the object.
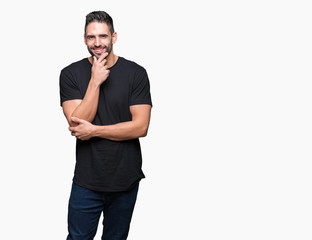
(114, 37)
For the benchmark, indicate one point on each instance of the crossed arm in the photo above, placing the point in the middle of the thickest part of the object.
(81, 112)
(84, 130)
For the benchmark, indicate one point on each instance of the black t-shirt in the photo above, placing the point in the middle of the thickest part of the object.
(102, 164)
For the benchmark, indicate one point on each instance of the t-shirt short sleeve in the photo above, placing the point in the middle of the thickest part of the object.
(140, 93)
(69, 88)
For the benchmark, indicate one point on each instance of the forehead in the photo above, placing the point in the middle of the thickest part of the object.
(95, 28)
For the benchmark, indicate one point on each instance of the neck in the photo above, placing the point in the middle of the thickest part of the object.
(111, 59)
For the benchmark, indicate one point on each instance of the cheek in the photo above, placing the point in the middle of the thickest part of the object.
(89, 44)
(105, 42)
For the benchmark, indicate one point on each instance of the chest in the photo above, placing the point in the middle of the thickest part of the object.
(115, 90)
(114, 97)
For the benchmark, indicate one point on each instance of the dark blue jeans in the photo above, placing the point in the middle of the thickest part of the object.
(85, 208)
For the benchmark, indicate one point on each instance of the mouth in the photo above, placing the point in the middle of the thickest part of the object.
(99, 51)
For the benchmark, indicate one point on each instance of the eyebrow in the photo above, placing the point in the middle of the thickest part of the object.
(101, 35)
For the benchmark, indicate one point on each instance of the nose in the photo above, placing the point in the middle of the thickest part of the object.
(97, 41)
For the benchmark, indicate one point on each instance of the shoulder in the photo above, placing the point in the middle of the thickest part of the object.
(131, 65)
(75, 66)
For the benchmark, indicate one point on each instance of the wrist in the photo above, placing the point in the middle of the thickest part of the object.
(99, 131)
(94, 83)
(96, 131)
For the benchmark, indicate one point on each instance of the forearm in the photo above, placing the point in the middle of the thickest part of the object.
(88, 106)
(121, 131)
(135, 128)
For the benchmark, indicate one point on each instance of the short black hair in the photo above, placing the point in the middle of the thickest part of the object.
(100, 16)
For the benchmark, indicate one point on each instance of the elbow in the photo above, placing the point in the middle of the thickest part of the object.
(71, 123)
(143, 132)
(143, 135)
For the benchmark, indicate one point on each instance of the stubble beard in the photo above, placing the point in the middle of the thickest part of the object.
(106, 48)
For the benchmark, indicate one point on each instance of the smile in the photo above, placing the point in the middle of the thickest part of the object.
(99, 50)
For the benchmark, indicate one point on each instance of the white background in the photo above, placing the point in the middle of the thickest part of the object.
(228, 155)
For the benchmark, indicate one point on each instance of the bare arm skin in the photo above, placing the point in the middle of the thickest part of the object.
(87, 107)
(135, 128)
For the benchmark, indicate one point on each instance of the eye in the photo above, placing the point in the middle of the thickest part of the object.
(103, 35)
(90, 37)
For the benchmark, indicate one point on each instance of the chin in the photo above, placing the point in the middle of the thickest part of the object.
(98, 55)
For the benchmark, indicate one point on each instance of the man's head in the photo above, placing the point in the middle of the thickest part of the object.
(102, 17)
(99, 33)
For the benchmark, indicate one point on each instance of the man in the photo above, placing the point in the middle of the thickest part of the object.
(107, 103)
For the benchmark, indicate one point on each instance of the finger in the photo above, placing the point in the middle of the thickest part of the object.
(77, 120)
(103, 56)
(94, 59)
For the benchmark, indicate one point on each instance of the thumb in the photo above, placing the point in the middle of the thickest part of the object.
(77, 120)
(94, 59)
